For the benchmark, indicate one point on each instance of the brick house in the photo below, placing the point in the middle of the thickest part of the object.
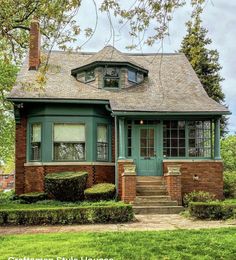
(141, 121)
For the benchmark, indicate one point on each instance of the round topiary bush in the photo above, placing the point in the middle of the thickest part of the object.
(33, 197)
(66, 186)
(102, 191)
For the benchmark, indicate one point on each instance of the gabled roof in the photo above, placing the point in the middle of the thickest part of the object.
(171, 86)
(109, 55)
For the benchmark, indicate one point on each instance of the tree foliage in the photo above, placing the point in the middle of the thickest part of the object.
(228, 152)
(205, 61)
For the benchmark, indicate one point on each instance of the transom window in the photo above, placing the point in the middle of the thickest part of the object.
(111, 77)
(35, 142)
(69, 142)
(102, 143)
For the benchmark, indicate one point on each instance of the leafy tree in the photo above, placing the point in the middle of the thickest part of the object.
(228, 152)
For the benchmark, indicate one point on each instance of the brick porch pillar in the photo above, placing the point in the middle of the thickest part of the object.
(173, 183)
(128, 191)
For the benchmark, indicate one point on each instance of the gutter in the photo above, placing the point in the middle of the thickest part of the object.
(168, 113)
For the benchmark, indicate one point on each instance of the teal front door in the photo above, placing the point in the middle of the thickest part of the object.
(148, 161)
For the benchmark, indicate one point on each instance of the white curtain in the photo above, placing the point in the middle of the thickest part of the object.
(102, 133)
(36, 133)
(69, 133)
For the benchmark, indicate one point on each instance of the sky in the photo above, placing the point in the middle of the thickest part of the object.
(218, 17)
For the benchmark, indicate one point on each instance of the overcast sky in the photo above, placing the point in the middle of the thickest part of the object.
(218, 17)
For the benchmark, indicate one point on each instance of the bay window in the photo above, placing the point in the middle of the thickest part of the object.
(69, 142)
(35, 142)
(102, 143)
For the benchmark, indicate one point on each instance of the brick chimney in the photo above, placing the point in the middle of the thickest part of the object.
(34, 45)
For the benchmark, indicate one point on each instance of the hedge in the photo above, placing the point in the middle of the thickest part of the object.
(33, 197)
(68, 215)
(211, 210)
(66, 186)
(102, 191)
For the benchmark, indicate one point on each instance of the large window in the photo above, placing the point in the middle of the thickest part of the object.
(102, 143)
(35, 142)
(187, 139)
(199, 138)
(111, 77)
(174, 138)
(69, 142)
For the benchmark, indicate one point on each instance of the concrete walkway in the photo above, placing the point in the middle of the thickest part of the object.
(142, 223)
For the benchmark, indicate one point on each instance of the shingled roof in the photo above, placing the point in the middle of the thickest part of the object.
(171, 85)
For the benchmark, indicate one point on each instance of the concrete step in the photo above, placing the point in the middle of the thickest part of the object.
(153, 198)
(149, 178)
(157, 209)
(150, 187)
(151, 192)
(155, 203)
(150, 183)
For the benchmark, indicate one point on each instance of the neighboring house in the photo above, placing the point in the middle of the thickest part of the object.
(117, 115)
(7, 181)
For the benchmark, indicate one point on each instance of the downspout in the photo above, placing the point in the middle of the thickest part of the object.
(116, 150)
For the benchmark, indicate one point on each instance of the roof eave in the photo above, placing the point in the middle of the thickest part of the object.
(171, 113)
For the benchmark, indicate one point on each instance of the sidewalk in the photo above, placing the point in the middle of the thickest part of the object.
(143, 223)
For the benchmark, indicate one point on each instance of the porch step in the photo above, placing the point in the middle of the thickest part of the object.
(151, 192)
(150, 183)
(150, 178)
(153, 198)
(156, 203)
(157, 209)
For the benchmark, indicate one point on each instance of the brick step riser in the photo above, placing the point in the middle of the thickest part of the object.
(170, 210)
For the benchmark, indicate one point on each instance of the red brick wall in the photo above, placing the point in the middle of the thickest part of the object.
(20, 147)
(209, 174)
(174, 187)
(34, 175)
(128, 188)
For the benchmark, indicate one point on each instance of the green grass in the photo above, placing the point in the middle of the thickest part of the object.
(180, 244)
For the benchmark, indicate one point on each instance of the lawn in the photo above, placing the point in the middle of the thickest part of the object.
(180, 244)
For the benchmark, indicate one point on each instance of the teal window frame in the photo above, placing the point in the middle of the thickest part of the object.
(30, 142)
(108, 143)
(107, 77)
(69, 142)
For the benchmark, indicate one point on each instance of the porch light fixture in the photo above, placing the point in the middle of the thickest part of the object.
(141, 122)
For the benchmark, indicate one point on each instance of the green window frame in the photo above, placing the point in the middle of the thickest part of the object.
(187, 139)
(35, 142)
(69, 143)
(129, 138)
(102, 142)
(111, 77)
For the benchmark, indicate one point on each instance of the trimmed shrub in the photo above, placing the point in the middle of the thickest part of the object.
(33, 197)
(198, 196)
(230, 184)
(66, 186)
(116, 213)
(211, 210)
(102, 191)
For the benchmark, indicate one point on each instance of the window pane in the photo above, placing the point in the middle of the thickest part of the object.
(132, 75)
(111, 83)
(112, 72)
(102, 151)
(36, 133)
(69, 133)
(102, 133)
(69, 151)
(89, 75)
(35, 151)
(139, 77)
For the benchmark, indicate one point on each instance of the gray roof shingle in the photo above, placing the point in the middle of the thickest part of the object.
(171, 85)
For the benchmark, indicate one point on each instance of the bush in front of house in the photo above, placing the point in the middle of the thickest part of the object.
(230, 184)
(211, 210)
(198, 196)
(66, 186)
(32, 197)
(112, 213)
(102, 191)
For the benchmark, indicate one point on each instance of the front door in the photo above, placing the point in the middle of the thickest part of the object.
(147, 153)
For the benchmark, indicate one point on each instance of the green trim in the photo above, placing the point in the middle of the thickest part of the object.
(167, 113)
(217, 140)
(121, 138)
(103, 63)
(60, 100)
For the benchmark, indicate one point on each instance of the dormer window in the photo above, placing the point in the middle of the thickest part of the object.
(135, 76)
(111, 77)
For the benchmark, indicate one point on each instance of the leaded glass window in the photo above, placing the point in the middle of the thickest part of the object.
(111, 77)
(35, 142)
(199, 138)
(102, 143)
(69, 142)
